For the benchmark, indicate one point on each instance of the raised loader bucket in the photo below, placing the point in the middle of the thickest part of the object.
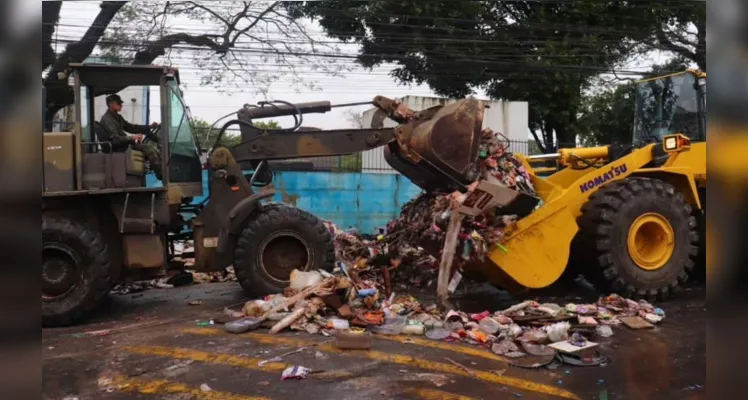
(439, 153)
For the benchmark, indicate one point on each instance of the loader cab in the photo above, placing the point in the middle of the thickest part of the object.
(100, 166)
(670, 104)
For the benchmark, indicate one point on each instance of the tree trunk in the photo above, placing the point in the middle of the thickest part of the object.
(701, 47)
(50, 16)
(59, 94)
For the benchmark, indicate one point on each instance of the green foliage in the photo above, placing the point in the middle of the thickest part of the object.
(546, 53)
(231, 138)
(608, 116)
(271, 124)
(351, 163)
(207, 138)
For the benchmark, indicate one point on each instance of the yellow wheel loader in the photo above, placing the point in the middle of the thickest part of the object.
(630, 218)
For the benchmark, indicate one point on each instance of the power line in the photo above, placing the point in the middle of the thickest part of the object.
(485, 61)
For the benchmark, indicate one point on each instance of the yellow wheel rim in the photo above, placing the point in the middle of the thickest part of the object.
(651, 241)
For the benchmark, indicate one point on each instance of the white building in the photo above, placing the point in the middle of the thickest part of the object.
(508, 118)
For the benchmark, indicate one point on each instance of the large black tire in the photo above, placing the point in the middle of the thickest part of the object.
(277, 240)
(76, 256)
(699, 273)
(604, 229)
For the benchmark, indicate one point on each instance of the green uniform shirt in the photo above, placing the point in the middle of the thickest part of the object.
(116, 128)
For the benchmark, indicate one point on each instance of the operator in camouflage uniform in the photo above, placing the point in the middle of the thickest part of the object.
(116, 126)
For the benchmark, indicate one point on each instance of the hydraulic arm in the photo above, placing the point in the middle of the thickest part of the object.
(436, 148)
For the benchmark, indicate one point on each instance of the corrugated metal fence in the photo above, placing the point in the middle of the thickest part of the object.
(344, 191)
(373, 161)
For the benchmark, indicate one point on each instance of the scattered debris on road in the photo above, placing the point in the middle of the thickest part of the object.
(349, 308)
(295, 372)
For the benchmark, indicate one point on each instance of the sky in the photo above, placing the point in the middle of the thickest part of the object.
(209, 104)
(358, 85)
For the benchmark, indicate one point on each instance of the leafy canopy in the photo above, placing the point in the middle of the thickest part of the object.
(546, 53)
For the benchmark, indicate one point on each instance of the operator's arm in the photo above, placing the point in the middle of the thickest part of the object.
(117, 136)
(132, 128)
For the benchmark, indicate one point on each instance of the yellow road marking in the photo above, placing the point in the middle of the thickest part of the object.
(402, 360)
(433, 394)
(471, 351)
(205, 357)
(163, 388)
(455, 348)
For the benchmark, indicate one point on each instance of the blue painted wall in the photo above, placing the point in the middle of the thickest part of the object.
(361, 200)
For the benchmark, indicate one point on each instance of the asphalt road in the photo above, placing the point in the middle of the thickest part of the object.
(150, 346)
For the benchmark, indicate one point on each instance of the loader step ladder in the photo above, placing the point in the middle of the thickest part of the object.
(137, 225)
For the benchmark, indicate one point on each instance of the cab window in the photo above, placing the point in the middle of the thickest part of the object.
(184, 160)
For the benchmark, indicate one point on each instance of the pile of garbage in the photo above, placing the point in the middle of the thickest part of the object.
(350, 308)
(391, 266)
(549, 331)
(318, 302)
(426, 218)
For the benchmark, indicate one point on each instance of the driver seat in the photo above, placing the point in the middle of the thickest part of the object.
(134, 160)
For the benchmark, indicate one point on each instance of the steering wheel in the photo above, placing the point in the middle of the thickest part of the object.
(152, 136)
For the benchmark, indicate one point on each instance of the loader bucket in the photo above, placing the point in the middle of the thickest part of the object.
(439, 153)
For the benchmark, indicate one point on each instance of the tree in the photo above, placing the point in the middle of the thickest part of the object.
(546, 53)
(608, 116)
(271, 124)
(680, 28)
(207, 137)
(231, 43)
(355, 119)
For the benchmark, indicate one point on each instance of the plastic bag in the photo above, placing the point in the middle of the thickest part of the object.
(489, 325)
(295, 372)
(255, 308)
(338, 324)
(653, 318)
(233, 314)
(604, 331)
(558, 332)
(438, 334)
(507, 348)
(393, 325)
(514, 331)
(535, 335)
(414, 329)
(301, 280)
